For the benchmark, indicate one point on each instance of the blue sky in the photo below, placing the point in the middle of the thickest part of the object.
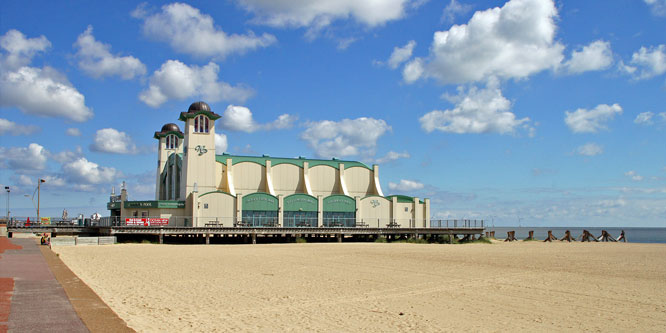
(551, 113)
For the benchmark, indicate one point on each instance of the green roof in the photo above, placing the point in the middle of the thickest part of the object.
(282, 160)
(403, 198)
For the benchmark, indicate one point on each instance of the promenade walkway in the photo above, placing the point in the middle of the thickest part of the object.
(38, 293)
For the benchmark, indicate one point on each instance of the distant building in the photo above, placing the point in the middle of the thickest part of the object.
(197, 187)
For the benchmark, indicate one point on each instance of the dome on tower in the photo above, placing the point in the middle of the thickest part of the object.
(199, 106)
(170, 127)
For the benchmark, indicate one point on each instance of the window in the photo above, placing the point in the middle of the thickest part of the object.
(201, 124)
(171, 142)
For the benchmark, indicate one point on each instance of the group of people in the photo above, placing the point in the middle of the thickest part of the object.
(46, 239)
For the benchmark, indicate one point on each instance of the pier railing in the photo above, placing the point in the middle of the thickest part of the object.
(253, 222)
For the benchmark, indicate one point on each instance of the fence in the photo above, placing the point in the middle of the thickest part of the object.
(254, 222)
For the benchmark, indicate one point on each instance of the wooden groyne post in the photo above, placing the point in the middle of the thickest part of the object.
(587, 237)
(550, 237)
(510, 236)
(567, 237)
(530, 236)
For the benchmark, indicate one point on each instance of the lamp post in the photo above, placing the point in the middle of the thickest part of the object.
(39, 185)
(7, 188)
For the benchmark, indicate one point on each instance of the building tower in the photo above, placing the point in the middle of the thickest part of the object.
(170, 142)
(198, 166)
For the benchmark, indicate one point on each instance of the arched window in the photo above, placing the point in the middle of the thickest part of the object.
(201, 124)
(171, 142)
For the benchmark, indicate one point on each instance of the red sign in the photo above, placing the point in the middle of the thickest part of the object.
(146, 221)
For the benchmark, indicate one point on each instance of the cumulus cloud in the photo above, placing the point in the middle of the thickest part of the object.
(85, 172)
(239, 118)
(220, 143)
(593, 57)
(318, 14)
(20, 50)
(658, 7)
(175, 80)
(12, 128)
(36, 91)
(189, 31)
(67, 155)
(476, 111)
(391, 156)
(511, 42)
(633, 176)
(644, 118)
(590, 149)
(591, 121)
(346, 137)
(33, 157)
(72, 131)
(109, 140)
(401, 54)
(453, 9)
(646, 63)
(405, 185)
(97, 61)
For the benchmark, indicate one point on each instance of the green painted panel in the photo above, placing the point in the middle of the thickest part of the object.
(155, 204)
(403, 198)
(235, 159)
(301, 202)
(339, 203)
(113, 205)
(260, 201)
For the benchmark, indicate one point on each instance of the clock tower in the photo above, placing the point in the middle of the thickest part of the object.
(198, 170)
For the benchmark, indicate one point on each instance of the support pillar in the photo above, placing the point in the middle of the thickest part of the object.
(207, 239)
(450, 239)
(254, 238)
(339, 238)
(161, 237)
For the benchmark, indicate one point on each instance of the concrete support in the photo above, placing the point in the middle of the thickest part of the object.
(254, 238)
(207, 239)
(161, 238)
(450, 239)
(339, 238)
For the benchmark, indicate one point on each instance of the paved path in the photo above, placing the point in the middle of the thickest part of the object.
(38, 293)
(38, 301)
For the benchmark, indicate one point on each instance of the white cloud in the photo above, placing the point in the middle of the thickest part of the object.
(96, 60)
(453, 9)
(401, 54)
(593, 57)
(514, 41)
(72, 131)
(476, 111)
(36, 91)
(391, 156)
(67, 156)
(644, 118)
(239, 118)
(346, 137)
(20, 50)
(189, 31)
(658, 7)
(175, 80)
(220, 143)
(633, 175)
(33, 157)
(590, 149)
(646, 63)
(413, 70)
(10, 127)
(405, 185)
(318, 14)
(591, 121)
(43, 92)
(109, 140)
(86, 172)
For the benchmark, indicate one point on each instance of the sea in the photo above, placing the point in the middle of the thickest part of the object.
(635, 235)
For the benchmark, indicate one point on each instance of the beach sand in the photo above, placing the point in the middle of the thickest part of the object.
(520, 286)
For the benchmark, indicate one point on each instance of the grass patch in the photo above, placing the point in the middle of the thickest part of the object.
(301, 240)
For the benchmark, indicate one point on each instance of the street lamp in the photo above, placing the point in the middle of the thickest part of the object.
(39, 184)
(7, 188)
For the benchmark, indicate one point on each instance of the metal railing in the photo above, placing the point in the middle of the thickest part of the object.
(254, 222)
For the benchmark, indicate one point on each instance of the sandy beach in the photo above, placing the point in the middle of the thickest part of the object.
(523, 286)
